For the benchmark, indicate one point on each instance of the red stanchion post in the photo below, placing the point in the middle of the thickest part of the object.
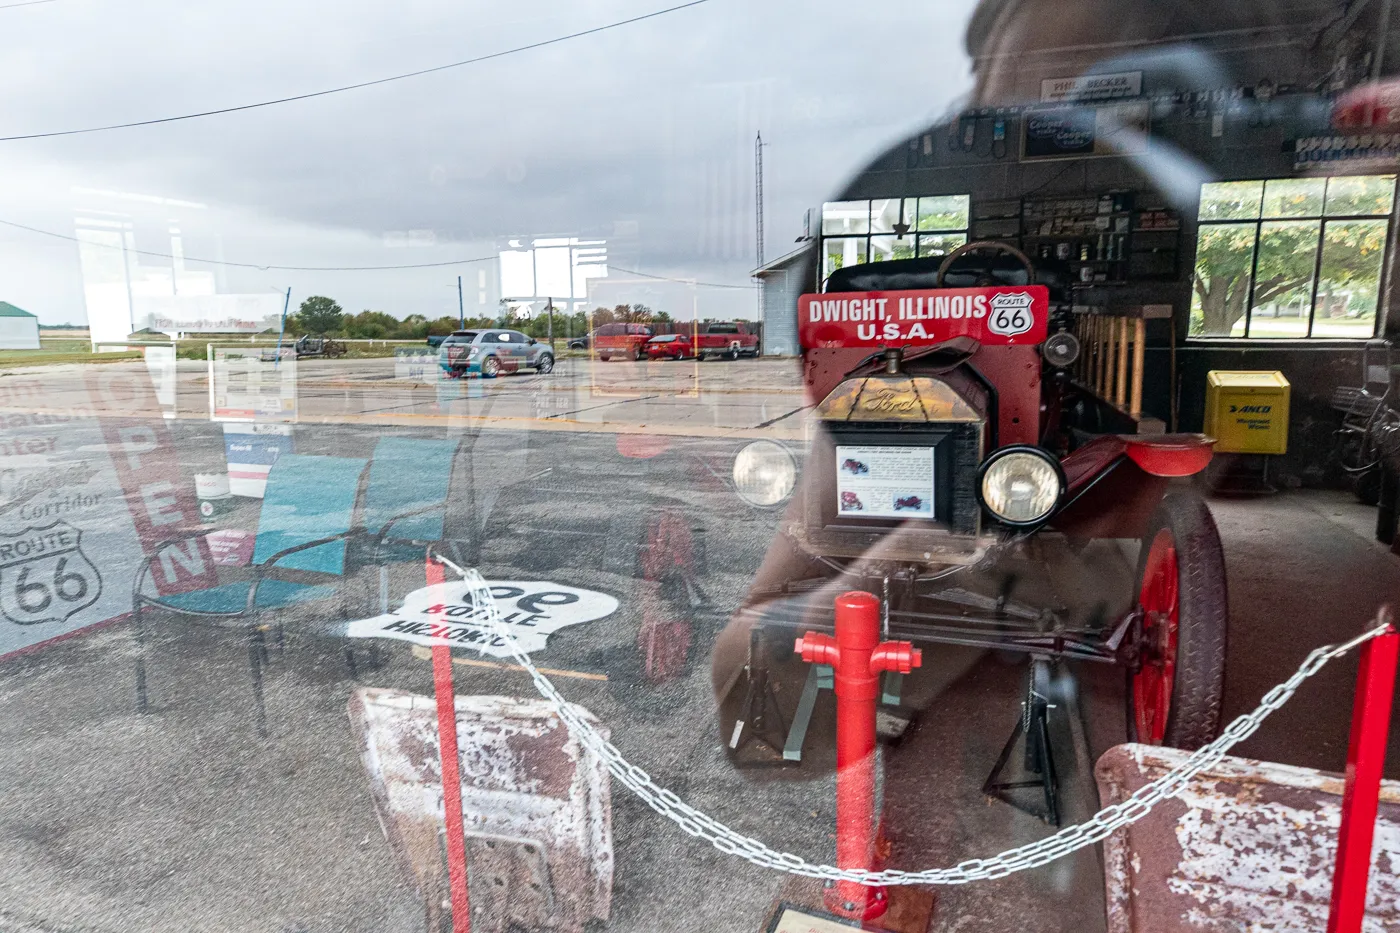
(1370, 726)
(451, 774)
(858, 657)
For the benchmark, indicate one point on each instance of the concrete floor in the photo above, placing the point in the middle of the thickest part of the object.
(185, 819)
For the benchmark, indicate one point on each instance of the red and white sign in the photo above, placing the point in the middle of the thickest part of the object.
(999, 316)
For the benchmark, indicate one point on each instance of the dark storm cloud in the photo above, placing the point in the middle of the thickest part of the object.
(649, 126)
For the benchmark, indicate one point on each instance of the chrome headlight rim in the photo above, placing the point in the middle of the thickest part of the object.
(769, 448)
(1041, 454)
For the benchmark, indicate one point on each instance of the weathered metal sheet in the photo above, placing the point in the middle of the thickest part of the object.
(1249, 846)
(536, 808)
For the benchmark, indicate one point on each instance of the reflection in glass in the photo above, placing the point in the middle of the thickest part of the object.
(1284, 278)
(1293, 197)
(1220, 285)
(1348, 288)
(1231, 200)
(1361, 194)
(890, 247)
(840, 217)
(885, 214)
(940, 244)
(842, 252)
(947, 212)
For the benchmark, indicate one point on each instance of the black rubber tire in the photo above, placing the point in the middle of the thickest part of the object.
(1203, 614)
(641, 354)
(604, 357)
(493, 371)
(546, 365)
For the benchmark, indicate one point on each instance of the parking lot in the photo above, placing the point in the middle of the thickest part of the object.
(609, 478)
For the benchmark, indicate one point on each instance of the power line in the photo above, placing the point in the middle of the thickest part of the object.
(352, 87)
(11, 6)
(249, 265)
(667, 278)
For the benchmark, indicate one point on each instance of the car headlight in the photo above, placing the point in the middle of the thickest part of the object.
(764, 473)
(1021, 485)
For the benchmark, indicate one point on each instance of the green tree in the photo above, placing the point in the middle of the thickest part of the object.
(320, 315)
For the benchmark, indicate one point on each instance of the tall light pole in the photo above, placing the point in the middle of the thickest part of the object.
(461, 308)
(286, 304)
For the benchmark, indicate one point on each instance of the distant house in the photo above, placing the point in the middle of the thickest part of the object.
(19, 330)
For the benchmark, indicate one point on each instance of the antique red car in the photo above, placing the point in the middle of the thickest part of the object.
(949, 436)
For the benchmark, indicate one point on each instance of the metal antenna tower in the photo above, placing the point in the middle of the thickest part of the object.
(758, 213)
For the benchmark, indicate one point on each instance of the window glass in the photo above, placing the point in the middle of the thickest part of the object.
(940, 244)
(1348, 288)
(884, 215)
(1360, 195)
(946, 212)
(1315, 276)
(889, 247)
(840, 217)
(841, 252)
(1220, 286)
(1284, 278)
(1293, 197)
(1231, 200)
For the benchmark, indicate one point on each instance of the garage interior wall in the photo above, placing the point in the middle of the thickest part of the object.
(1189, 145)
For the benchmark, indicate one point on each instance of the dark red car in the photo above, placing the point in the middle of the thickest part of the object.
(675, 346)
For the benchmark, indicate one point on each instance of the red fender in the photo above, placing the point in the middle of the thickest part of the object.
(1115, 482)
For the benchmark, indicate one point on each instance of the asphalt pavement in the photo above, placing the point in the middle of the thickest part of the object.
(197, 814)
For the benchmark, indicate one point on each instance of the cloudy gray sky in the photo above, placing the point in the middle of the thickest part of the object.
(647, 128)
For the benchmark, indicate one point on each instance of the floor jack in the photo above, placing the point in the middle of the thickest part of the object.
(1038, 757)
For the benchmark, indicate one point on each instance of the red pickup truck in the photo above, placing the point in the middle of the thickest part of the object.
(727, 339)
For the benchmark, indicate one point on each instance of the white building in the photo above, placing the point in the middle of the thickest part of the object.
(19, 330)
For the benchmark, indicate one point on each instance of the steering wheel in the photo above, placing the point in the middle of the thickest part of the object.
(986, 274)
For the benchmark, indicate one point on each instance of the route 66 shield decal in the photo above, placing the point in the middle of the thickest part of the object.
(44, 575)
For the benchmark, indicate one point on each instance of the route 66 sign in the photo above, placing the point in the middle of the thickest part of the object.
(445, 614)
(1010, 314)
(44, 575)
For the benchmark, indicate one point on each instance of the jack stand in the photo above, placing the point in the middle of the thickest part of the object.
(753, 725)
(1039, 757)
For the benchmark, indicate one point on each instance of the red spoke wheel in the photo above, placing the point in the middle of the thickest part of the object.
(1177, 678)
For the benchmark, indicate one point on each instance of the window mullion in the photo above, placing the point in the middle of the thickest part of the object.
(1317, 273)
(1253, 278)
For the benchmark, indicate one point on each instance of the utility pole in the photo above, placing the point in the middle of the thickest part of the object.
(461, 308)
(758, 212)
(550, 308)
(286, 304)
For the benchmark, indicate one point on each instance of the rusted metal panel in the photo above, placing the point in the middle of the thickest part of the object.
(536, 807)
(1249, 846)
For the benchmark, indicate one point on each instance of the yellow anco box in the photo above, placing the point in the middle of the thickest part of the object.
(1247, 411)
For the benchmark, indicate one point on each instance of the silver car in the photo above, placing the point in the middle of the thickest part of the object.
(488, 353)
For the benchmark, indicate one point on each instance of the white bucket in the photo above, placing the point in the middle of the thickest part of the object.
(211, 485)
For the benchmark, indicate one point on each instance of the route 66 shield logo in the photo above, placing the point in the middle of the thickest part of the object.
(44, 575)
(1011, 314)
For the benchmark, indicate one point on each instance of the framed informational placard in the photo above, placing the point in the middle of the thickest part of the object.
(1077, 132)
(885, 482)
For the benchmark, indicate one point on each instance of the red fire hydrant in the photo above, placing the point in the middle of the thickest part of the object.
(858, 657)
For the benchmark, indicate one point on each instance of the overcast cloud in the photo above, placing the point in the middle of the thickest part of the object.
(644, 131)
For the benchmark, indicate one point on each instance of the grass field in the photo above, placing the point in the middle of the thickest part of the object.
(67, 349)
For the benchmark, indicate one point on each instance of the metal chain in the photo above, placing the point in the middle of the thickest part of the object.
(1070, 839)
